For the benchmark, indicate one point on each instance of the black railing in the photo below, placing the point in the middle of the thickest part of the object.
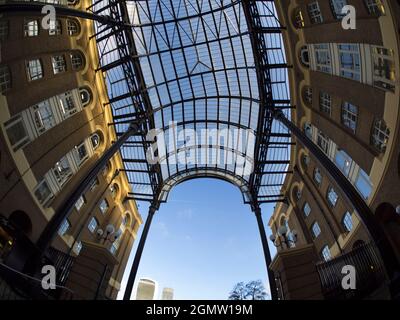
(369, 273)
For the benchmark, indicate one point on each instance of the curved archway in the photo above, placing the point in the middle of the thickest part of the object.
(206, 173)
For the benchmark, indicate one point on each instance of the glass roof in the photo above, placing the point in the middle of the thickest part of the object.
(206, 75)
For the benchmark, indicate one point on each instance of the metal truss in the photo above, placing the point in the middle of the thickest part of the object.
(204, 65)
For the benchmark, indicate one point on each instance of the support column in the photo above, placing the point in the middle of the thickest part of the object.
(267, 254)
(138, 255)
(362, 209)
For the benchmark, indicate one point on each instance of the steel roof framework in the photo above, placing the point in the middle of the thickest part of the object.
(208, 64)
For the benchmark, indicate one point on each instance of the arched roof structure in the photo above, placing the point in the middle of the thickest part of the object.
(206, 76)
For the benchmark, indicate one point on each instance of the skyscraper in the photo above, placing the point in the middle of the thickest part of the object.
(146, 289)
(167, 294)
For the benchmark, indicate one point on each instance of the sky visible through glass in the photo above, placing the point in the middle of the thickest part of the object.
(202, 242)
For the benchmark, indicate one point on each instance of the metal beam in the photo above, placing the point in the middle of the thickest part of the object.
(267, 254)
(138, 255)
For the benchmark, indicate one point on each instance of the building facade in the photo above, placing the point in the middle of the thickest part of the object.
(345, 86)
(167, 294)
(54, 126)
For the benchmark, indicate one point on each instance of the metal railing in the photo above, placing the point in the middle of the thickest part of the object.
(369, 273)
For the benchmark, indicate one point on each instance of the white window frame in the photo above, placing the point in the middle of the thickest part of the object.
(325, 103)
(93, 224)
(31, 27)
(80, 203)
(34, 69)
(314, 12)
(64, 228)
(349, 117)
(59, 64)
(315, 230)
(55, 27)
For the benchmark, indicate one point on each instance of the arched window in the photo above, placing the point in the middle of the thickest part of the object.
(77, 60)
(72, 2)
(304, 56)
(95, 140)
(72, 27)
(114, 190)
(85, 96)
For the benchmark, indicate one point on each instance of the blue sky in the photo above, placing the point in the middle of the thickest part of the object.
(202, 241)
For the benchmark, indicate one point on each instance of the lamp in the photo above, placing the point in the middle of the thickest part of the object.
(398, 209)
(282, 237)
(109, 234)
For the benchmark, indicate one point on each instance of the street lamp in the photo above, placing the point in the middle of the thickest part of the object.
(109, 235)
(283, 237)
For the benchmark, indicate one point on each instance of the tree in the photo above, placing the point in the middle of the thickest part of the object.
(253, 290)
(238, 292)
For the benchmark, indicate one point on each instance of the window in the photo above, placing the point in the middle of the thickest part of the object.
(323, 58)
(95, 140)
(78, 247)
(55, 27)
(5, 79)
(325, 103)
(337, 6)
(81, 153)
(326, 253)
(322, 141)
(308, 130)
(62, 171)
(43, 116)
(34, 69)
(103, 206)
(72, 27)
(305, 160)
(347, 221)
(363, 184)
(314, 13)
(380, 135)
(317, 176)
(79, 203)
(349, 116)
(76, 60)
(332, 196)
(375, 7)
(85, 96)
(308, 95)
(343, 161)
(304, 56)
(94, 184)
(31, 28)
(306, 209)
(67, 104)
(3, 29)
(58, 63)
(384, 75)
(17, 132)
(42, 192)
(125, 220)
(350, 66)
(315, 230)
(64, 227)
(298, 194)
(93, 223)
(114, 190)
